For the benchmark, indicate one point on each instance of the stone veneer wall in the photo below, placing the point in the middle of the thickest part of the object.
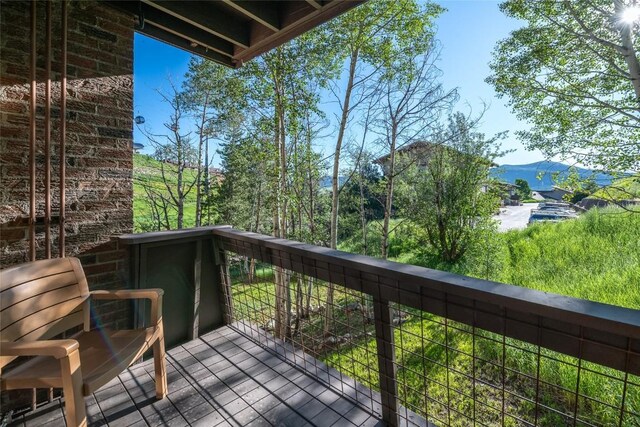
(99, 162)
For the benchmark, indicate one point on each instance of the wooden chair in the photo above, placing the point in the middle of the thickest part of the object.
(41, 299)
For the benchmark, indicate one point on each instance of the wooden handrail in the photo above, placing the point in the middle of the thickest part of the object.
(601, 333)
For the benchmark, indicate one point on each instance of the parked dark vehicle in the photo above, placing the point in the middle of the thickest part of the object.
(550, 214)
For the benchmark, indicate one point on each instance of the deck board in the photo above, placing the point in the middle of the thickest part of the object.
(221, 379)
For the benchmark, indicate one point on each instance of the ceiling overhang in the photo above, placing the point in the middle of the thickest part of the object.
(230, 32)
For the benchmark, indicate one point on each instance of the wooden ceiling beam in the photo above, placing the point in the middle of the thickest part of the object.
(175, 26)
(206, 16)
(296, 20)
(181, 43)
(230, 32)
(264, 13)
(315, 4)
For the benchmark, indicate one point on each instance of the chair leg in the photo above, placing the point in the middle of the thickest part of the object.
(72, 388)
(159, 364)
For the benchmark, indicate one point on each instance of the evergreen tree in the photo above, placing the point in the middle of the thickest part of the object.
(523, 191)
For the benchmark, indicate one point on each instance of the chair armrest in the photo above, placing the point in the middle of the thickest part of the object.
(152, 294)
(55, 348)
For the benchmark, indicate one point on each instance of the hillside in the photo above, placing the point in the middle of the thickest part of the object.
(540, 174)
(594, 257)
(147, 174)
(621, 189)
(327, 181)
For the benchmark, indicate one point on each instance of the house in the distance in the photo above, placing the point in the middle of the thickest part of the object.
(556, 193)
(418, 150)
(508, 193)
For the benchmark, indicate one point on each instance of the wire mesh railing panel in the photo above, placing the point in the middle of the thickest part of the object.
(454, 374)
(422, 347)
(325, 329)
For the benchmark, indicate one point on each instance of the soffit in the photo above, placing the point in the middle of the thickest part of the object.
(230, 32)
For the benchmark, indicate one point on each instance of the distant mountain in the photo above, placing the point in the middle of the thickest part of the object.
(325, 181)
(546, 170)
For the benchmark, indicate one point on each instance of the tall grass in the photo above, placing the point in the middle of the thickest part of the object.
(453, 373)
(621, 189)
(595, 257)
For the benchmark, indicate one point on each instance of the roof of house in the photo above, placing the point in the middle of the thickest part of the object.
(507, 184)
(230, 32)
(417, 146)
(555, 189)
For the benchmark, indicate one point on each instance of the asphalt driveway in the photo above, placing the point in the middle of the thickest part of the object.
(514, 217)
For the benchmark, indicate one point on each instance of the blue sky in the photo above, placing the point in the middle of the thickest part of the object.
(468, 32)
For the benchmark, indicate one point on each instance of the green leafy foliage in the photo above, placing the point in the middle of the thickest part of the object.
(523, 191)
(580, 258)
(242, 193)
(449, 203)
(627, 188)
(595, 257)
(383, 32)
(572, 71)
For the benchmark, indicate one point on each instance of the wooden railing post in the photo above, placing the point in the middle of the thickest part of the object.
(221, 264)
(194, 331)
(386, 360)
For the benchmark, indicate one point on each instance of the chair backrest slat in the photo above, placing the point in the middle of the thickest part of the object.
(35, 319)
(30, 290)
(41, 299)
(19, 274)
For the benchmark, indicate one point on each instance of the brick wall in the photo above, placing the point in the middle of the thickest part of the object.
(99, 160)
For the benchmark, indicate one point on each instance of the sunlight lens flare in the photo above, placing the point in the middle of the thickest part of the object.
(630, 15)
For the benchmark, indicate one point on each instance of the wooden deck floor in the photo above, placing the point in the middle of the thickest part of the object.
(220, 379)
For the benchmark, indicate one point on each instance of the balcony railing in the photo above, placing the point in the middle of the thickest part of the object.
(419, 346)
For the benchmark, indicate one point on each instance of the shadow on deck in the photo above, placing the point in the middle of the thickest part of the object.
(222, 378)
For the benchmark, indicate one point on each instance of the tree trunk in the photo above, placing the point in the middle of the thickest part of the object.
(179, 186)
(333, 239)
(388, 204)
(312, 230)
(180, 224)
(333, 242)
(252, 266)
(629, 52)
(207, 184)
(363, 214)
(283, 296)
(299, 303)
(199, 171)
